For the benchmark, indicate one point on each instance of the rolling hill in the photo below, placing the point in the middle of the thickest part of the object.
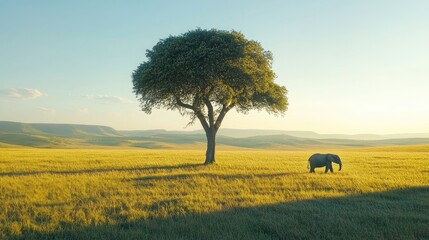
(43, 135)
(65, 130)
(244, 133)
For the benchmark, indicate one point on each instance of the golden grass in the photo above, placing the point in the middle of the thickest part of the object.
(411, 148)
(45, 191)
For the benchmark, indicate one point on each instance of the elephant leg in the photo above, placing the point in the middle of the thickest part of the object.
(312, 170)
(331, 169)
(328, 167)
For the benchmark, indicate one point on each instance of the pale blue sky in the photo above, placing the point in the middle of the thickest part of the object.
(349, 66)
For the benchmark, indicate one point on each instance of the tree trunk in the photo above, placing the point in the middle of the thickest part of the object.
(211, 144)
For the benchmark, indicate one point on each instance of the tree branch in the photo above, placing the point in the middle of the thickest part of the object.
(184, 105)
(203, 121)
(196, 111)
(210, 111)
(222, 114)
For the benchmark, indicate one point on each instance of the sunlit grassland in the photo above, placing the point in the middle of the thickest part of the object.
(169, 194)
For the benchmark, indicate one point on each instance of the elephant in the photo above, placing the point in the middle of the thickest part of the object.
(323, 160)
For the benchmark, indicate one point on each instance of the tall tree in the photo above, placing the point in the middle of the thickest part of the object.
(206, 73)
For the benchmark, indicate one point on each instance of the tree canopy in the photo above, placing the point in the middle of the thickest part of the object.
(206, 73)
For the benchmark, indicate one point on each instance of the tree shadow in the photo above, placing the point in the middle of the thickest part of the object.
(396, 214)
(103, 170)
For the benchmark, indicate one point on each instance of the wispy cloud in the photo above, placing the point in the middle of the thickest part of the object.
(108, 98)
(49, 111)
(21, 93)
(83, 110)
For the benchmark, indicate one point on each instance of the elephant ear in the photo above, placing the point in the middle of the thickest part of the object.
(330, 157)
(337, 158)
(334, 158)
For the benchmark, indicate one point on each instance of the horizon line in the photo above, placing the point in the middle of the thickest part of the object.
(242, 129)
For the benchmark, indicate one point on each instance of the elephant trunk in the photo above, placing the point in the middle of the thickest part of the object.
(341, 166)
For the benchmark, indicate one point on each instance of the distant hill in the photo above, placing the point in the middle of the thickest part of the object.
(313, 135)
(153, 132)
(244, 133)
(64, 130)
(282, 141)
(43, 135)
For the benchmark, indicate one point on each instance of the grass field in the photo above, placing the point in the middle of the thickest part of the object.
(381, 193)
